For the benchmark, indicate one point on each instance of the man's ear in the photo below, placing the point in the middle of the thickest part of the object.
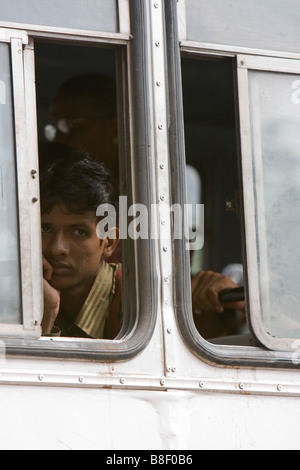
(111, 242)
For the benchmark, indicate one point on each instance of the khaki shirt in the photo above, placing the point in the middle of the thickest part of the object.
(93, 317)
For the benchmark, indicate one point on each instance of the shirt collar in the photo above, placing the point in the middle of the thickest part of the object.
(95, 310)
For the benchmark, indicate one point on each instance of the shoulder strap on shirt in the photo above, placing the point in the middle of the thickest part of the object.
(114, 312)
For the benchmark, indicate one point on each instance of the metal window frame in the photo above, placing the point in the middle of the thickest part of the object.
(223, 355)
(141, 310)
(27, 192)
(254, 248)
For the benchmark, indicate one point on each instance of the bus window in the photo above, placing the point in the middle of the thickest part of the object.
(46, 59)
(210, 136)
(77, 109)
(240, 107)
(9, 238)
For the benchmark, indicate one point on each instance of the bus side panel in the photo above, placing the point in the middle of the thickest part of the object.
(71, 418)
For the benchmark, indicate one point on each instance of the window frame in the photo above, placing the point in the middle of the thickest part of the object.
(27, 190)
(136, 139)
(244, 65)
(223, 355)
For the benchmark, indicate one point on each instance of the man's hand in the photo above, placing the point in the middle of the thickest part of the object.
(206, 287)
(51, 300)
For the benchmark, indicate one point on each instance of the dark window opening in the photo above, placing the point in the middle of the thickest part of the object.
(211, 149)
(77, 107)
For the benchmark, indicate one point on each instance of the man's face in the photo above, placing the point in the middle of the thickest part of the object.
(71, 245)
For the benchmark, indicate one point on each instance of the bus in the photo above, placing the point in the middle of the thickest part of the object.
(208, 113)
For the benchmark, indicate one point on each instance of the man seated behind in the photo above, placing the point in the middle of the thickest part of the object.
(79, 286)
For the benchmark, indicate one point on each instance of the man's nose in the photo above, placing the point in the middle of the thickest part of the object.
(59, 246)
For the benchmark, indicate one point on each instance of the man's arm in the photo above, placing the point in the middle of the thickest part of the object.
(51, 300)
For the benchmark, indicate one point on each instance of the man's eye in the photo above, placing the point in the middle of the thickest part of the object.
(45, 229)
(79, 232)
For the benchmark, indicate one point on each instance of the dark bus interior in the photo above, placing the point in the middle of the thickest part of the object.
(212, 149)
(56, 63)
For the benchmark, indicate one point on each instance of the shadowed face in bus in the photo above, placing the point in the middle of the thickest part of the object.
(72, 247)
(93, 131)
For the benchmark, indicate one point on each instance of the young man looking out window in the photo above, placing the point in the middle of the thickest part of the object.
(79, 286)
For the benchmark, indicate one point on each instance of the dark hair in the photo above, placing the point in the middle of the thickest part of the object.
(73, 178)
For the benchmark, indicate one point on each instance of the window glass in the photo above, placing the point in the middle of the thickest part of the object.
(262, 24)
(92, 15)
(10, 311)
(275, 120)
